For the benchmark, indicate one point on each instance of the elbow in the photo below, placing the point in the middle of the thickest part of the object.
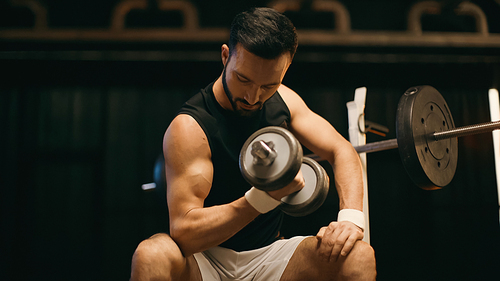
(183, 241)
(346, 153)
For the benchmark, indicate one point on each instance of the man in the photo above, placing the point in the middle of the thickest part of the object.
(220, 227)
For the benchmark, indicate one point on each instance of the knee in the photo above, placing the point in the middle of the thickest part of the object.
(360, 263)
(159, 247)
(363, 253)
(157, 256)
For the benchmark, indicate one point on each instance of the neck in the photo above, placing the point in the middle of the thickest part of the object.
(220, 94)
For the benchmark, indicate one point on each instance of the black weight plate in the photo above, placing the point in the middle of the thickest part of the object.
(284, 168)
(314, 193)
(421, 112)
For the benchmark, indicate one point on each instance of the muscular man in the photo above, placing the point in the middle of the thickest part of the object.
(217, 232)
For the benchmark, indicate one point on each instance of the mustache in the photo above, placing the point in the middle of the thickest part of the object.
(246, 103)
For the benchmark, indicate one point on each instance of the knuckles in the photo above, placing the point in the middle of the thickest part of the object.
(334, 237)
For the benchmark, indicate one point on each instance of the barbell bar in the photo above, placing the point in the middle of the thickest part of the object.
(486, 127)
(377, 146)
(437, 136)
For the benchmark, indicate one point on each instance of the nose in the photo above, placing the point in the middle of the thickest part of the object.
(252, 96)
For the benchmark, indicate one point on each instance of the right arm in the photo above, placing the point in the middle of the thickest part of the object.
(189, 174)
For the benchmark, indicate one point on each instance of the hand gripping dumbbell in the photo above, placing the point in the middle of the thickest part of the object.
(271, 158)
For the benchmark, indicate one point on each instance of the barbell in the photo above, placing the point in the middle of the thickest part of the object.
(426, 137)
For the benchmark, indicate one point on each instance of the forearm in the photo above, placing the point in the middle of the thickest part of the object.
(348, 179)
(202, 228)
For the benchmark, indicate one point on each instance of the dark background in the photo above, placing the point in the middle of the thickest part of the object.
(80, 135)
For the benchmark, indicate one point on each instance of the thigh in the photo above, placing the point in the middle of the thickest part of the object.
(206, 271)
(267, 263)
(305, 264)
(193, 271)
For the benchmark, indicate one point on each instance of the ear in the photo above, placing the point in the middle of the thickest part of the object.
(224, 54)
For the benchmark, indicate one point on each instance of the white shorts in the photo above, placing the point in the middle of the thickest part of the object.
(268, 263)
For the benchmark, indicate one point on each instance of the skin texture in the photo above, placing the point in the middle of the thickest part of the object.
(335, 253)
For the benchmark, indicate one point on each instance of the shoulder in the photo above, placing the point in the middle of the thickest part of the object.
(286, 92)
(186, 135)
(183, 123)
(294, 102)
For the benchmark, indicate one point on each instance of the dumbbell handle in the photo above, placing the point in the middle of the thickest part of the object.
(263, 153)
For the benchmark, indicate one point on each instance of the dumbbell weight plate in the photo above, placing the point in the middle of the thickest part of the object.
(283, 169)
(314, 193)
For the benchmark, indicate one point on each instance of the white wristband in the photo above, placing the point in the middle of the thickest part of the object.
(355, 216)
(261, 201)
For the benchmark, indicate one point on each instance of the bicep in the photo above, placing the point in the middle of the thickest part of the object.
(312, 130)
(188, 166)
(318, 135)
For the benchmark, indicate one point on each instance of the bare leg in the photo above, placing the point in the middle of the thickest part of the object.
(306, 265)
(159, 258)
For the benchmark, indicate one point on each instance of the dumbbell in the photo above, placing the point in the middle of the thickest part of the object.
(271, 158)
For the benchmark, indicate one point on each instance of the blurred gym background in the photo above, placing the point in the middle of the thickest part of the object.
(88, 88)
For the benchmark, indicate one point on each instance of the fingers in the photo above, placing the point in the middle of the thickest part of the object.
(299, 181)
(339, 237)
(321, 232)
(349, 244)
(337, 240)
(294, 186)
(326, 241)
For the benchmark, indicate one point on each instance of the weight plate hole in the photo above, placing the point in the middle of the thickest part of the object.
(422, 120)
(432, 108)
(426, 149)
(439, 164)
(447, 150)
(411, 91)
(444, 123)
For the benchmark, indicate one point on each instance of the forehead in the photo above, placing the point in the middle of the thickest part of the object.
(255, 67)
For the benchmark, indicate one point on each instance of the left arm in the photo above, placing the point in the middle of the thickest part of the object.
(321, 138)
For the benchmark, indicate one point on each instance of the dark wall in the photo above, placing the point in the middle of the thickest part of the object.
(80, 137)
(79, 150)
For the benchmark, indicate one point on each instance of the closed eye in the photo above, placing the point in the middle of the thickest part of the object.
(242, 79)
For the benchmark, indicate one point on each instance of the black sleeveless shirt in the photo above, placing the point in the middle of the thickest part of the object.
(226, 133)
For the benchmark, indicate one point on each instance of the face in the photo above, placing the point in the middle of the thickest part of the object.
(250, 80)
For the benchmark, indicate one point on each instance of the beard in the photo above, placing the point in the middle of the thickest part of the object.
(238, 110)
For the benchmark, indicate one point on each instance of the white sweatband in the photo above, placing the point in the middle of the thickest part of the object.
(355, 216)
(261, 201)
